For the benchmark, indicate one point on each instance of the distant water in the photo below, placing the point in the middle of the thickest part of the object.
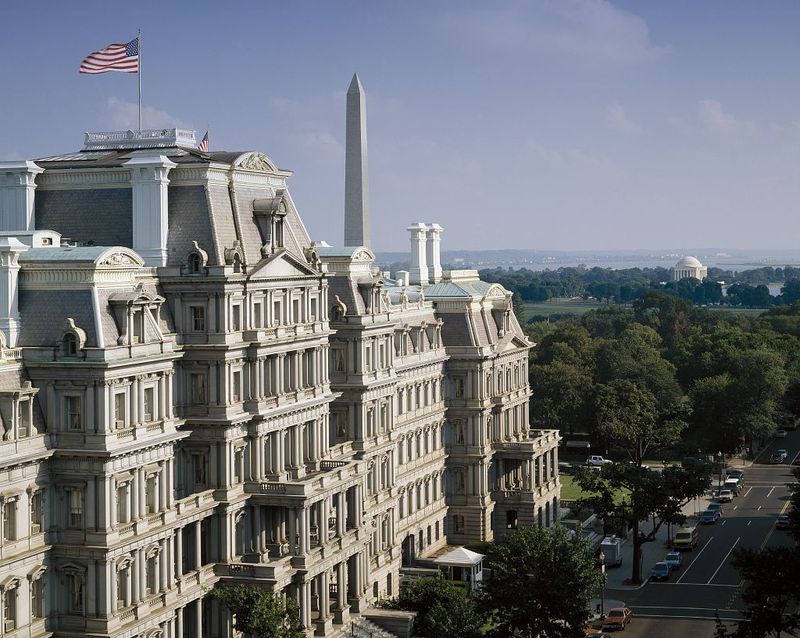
(735, 260)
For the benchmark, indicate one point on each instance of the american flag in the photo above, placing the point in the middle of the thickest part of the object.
(115, 57)
(203, 145)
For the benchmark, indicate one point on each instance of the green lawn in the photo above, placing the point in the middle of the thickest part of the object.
(561, 307)
(570, 491)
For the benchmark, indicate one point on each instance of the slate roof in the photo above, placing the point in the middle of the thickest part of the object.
(43, 315)
(464, 289)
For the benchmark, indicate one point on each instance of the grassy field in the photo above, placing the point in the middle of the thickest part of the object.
(570, 490)
(559, 306)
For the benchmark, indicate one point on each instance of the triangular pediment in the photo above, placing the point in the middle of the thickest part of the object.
(282, 264)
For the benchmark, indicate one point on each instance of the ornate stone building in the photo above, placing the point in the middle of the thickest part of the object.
(192, 391)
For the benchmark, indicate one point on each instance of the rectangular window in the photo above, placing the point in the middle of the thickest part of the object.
(122, 503)
(257, 315)
(138, 326)
(151, 493)
(198, 316)
(382, 356)
(24, 418)
(296, 314)
(238, 461)
(10, 609)
(149, 394)
(338, 360)
(199, 469)
(236, 318)
(75, 505)
(313, 316)
(37, 598)
(73, 408)
(9, 519)
(76, 594)
(197, 390)
(237, 387)
(368, 357)
(36, 512)
(459, 383)
(276, 313)
(120, 411)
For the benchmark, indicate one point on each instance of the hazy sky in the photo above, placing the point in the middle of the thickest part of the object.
(561, 124)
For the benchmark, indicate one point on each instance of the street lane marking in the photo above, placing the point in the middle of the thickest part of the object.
(695, 559)
(759, 507)
(750, 521)
(693, 585)
(735, 506)
(770, 492)
(735, 616)
(748, 490)
(723, 522)
(686, 608)
(723, 560)
(772, 529)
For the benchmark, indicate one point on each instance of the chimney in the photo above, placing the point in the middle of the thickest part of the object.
(17, 186)
(150, 208)
(401, 277)
(434, 241)
(418, 273)
(10, 248)
(356, 188)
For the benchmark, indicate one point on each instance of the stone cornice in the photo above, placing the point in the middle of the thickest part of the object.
(76, 178)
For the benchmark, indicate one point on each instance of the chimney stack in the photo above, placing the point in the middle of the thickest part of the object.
(434, 241)
(17, 186)
(10, 248)
(418, 273)
(150, 206)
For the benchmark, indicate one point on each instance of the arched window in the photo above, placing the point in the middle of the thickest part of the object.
(237, 263)
(195, 263)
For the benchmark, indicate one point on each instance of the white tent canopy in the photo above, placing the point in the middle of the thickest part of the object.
(461, 557)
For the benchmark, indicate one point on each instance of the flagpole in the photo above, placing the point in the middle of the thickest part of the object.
(140, 80)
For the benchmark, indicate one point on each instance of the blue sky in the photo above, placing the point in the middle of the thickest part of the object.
(560, 124)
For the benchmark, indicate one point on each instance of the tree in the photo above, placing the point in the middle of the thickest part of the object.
(649, 493)
(771, 593)
(542, 583)
(442, 609)
(260, 613)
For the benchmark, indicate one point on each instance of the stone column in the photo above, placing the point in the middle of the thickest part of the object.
(198, 540)
(179, 553)
(418, 273)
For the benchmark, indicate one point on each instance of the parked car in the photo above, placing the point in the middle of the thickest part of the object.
(686, 538)
(674, 560)
(617, 618)
(782, 452)
(660, 571)
(725, 496)
(780, 434)
(715, 506)
(796, 460)
(709, 517)
(736, 474)
(782, 522)
(597, 461)
(776, 459)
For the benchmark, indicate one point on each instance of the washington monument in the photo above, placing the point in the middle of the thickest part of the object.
(356, 190)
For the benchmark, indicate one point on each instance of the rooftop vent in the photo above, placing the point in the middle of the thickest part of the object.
(148, 138)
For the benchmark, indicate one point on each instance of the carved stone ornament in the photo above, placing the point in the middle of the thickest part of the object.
(118, 259)
(203, 254)
(257, 162)
(339, 305)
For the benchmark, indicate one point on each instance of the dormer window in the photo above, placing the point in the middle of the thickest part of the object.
(70, 345)
(269, 214)
(195, 263)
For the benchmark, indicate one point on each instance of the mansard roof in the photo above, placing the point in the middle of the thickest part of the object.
(84, 255)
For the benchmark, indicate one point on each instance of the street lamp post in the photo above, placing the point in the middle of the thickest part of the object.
(602, 558)
(719, 459)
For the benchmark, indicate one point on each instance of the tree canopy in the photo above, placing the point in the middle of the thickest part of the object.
(260, 613)
(542, 583)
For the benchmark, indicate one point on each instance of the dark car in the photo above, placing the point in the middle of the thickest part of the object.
(709, 517)
(660, 571)
(782, 522)
(674, 560)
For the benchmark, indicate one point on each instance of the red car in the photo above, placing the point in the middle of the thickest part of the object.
(617, 618)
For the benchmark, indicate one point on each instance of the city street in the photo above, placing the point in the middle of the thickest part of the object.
(708, 583)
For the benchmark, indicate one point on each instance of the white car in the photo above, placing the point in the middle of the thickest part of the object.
(725, 496)
(780, 434)
(597, 461)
